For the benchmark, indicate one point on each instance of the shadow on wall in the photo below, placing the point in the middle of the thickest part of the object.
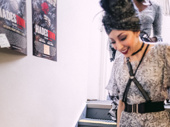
(5, 53)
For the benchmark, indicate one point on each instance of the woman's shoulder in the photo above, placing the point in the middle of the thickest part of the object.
(160, 48)
(161, 45)
(155, 5)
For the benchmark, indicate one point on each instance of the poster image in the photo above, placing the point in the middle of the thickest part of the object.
(13, 24)
(44, 29)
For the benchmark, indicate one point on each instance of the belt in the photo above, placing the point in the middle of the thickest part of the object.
(145, 107)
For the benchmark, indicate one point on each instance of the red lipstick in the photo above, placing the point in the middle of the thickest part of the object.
(125, 52)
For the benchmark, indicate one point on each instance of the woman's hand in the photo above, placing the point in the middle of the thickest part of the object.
(153, 39)
(121, 107)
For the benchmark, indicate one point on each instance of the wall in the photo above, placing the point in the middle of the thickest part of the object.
(165, 28)
(95, 52)
(36, 92)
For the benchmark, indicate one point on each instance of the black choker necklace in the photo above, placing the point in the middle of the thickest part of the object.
(138, 50)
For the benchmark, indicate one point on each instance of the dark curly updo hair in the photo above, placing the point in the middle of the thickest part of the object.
(120, 15)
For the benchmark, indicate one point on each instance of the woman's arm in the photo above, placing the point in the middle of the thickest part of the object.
(121, 107)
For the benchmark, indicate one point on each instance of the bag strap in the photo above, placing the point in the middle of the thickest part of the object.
(132, 78)
(141, 59)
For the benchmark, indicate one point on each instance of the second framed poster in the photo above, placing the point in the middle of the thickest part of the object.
(44, 29)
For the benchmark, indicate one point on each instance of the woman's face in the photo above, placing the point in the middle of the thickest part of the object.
(124, 41)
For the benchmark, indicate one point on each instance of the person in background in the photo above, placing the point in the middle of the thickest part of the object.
(150, 15)
(141, 73)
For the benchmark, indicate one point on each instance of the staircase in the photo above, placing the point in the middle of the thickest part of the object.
(96, 115)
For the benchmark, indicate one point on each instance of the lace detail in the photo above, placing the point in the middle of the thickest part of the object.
(153, 74)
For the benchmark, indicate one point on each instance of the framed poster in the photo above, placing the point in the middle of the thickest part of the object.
(44, 29)
(13, 25)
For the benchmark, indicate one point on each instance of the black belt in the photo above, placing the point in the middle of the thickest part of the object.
(145, 107)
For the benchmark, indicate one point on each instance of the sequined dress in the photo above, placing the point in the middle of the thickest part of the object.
(154, 76)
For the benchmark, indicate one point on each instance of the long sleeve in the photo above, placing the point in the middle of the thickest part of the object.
(157, 24)
(113, 93)
(112, 85)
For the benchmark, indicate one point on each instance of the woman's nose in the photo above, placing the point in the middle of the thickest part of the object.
(119, 46)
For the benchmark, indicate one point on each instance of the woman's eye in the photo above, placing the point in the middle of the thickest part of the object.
(123, 38)
(113, 42)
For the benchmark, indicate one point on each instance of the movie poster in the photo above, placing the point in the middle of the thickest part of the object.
(44, 29)
(13, 25)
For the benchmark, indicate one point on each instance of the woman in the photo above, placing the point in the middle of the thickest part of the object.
(150, 17)
(141, 74)
(151, 22)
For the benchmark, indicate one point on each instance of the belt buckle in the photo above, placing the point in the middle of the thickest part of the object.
(135, 108)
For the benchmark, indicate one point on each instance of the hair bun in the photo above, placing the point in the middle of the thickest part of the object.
(117, 8)
(105, 5)
(120, 14)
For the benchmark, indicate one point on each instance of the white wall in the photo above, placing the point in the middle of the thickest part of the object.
(36, 92)
(95, 52)
(166, 28)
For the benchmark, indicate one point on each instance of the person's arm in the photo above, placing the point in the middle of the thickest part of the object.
(121, 107)
(157, 25)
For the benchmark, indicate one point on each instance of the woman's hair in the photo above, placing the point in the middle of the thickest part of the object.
(120, 15)
(140, 1)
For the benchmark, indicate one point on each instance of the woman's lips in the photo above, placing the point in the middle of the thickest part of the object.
(125, 51)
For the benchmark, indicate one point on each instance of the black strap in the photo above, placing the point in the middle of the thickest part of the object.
(144, 93)
(141, 58)
(138, 49)
(132, 78)
(126, 91)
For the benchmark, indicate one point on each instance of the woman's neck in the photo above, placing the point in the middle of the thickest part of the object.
(137, 56)
(140, 5)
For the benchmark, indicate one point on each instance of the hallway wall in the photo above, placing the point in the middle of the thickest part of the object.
(36, 92)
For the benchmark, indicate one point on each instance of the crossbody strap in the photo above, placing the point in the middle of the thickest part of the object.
(132, 78)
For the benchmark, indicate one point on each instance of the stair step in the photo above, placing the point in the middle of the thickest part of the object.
(99, 104)
(97, 113)
(87, 122)
(98, 109)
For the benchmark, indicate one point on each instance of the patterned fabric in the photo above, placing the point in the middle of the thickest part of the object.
(120, 15)
(154, 76)
(158, 119)
(151, 17)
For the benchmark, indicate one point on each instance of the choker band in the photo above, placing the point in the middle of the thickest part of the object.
(138, 50)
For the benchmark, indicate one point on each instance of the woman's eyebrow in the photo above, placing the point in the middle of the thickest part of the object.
(111, 39)
(119, 34)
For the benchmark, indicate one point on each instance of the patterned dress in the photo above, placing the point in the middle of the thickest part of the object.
(154, 76)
